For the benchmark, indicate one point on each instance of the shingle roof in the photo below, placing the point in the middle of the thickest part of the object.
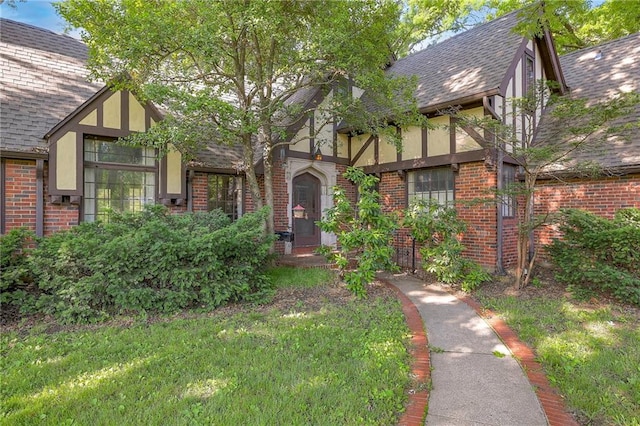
(466, 64)
(617, 69)
(43, 80)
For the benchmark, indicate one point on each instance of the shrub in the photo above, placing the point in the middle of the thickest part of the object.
(600, 254)
(437, 229)
(151, 261)
(15, 275)
(364, 233)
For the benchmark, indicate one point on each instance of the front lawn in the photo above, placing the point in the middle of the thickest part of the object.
(316, 355)
(590, 351)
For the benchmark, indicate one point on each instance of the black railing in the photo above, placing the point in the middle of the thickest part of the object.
(405, 251)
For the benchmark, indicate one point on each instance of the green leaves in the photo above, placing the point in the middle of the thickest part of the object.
(151, 261)
(585, 263)
(364, 233)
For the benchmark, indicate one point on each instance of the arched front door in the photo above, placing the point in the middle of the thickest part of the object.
(306, 194)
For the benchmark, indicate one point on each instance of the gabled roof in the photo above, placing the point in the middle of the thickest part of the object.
(466, 65)
(616, 70)
(43, 79)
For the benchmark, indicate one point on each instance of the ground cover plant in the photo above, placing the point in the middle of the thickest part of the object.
(589, 350)
(315, 355)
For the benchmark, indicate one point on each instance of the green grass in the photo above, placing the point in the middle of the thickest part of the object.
(339, 365)
(283, 276)
(591, 355)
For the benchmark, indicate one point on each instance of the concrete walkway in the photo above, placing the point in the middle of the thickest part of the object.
(475, 379)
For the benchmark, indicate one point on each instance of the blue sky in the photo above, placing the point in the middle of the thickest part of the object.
(39, 13)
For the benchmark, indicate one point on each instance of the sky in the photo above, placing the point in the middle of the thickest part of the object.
(39, 13)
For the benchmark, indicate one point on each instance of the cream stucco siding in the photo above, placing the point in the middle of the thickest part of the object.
(136, 115)
(464, 142)
(438, 139)
(412, 143)
(112, 112)
(343, 146)
(91, 119)
(174, 171)
(367, 157)
(66, 162)
(302, 139)
(387, 151)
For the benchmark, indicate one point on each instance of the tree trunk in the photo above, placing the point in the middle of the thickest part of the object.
(524, 264)
(250, 172)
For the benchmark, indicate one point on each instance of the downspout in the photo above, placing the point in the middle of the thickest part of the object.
(3, 197)
(499, 167)
(40, 197)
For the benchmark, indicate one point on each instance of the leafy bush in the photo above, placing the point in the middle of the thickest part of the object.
(364, 233)
(15, 275)
(600, 254)
(151, 261)
(437, 229)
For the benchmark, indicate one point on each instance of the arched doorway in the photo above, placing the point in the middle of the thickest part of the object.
(306, 194)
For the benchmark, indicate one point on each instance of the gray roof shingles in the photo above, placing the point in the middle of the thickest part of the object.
(43, 78)
(464, 65)
(618, 69)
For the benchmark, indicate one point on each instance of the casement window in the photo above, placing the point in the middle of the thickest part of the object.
(431, 184)
(529, 74)
(116, 178)
(224, 193)
(508, 197)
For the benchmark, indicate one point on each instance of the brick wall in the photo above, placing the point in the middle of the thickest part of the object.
(200, 194)
(602, 196)
(472, 181)
(19, 194)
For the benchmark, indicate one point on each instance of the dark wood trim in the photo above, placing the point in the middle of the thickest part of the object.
(124, 111)
(325, 158)
(3, 197)
(376, 150)
(77, 112)
(349, 148)
(295, 127)
(474, 135)
(216, 170)
(312, 139)
(40, 197)
(421, 163)
(511, 71)
(452, 134)
(399, 153)
(24, 155)
(551, 61)
(489, 110)
(425, 142)
(363, 149)
(335, 137)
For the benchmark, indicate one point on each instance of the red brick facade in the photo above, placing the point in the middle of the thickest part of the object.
(602, 196)
(19, 197)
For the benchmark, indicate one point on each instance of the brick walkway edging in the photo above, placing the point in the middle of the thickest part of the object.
(552, 403)
(416, 409)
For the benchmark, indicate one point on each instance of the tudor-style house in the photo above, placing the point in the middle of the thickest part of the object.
(60, 165)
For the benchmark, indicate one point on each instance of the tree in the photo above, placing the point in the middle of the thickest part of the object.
(575, 24)
(570, 126)
(229, 72)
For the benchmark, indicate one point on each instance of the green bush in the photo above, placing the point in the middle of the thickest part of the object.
(437, 229)
(15, 274)
(364, 233)
(600, 254)
(151, 261)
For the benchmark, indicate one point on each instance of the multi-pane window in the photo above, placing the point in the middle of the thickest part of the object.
(508, 196)
(529, 73)
(116, 178)
(432, 184)
(223, 193)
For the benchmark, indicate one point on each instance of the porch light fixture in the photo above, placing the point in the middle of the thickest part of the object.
(298, 212)
(317, 155)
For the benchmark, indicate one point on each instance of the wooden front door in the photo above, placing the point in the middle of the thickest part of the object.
(306, 193)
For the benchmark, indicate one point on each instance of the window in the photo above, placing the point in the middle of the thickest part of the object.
(435, 184)
(224, 193)
(508, 197)
(116, 178)
(529, 74)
